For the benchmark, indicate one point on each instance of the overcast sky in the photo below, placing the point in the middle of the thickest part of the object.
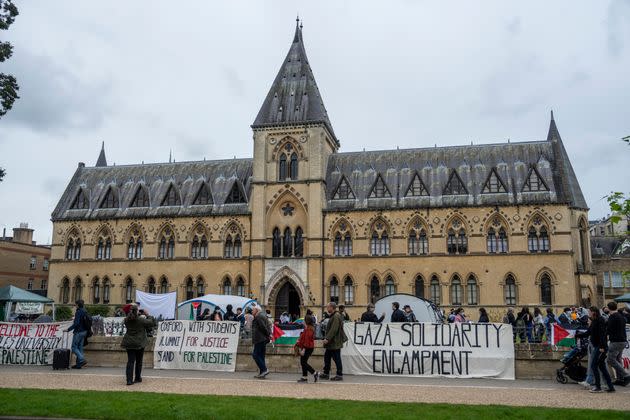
(150, 76)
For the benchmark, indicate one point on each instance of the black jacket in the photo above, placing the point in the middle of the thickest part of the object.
(483, 318)
(260, 328)
(616, 328)
(371, 317)
(398, 316)
(597, 333)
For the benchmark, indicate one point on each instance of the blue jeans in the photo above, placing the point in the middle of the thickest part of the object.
(77, 345)
(599, 366)
(589, 371)
(259, 355)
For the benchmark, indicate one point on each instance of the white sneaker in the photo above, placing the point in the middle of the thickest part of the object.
(584, 384)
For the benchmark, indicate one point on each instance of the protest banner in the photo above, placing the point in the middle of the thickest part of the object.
(112, 326)
(29, 308)
(31, 344)
(463, 350)
(196, 345)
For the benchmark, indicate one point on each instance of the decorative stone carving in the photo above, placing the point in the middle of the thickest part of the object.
(436, 220)
(360, 222)
(476, 219)
(398, 221)
(215, 226)
(516, 218)
(558, 216)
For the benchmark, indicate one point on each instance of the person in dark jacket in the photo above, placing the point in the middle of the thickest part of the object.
(229, 314)
(260, 337)
(616, 329)
(549, 320)
(370, 316)
(597, 333)
(397, 314)
(409, 315)
(483, 315)
(135, 340)
(80, 332)
(333, 342)
(344, 314)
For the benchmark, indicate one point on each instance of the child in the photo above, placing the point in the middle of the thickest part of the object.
(306, 344)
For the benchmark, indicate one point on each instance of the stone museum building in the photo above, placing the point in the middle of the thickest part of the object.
(302, 223)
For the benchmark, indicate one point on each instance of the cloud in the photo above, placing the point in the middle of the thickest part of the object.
(53, 98)
(514, 26)
(618, 26)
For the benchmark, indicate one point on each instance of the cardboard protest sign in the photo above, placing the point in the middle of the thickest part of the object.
(31, 344)
(424, 349)
(196, 345)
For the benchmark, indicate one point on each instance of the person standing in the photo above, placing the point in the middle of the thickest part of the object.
(597, 333)
(135, 340)
(370, 316)
(344, 314)
(483, 315)
(549, 320)
(333, 342)
(80, 332)
(409, 315)
(229, 314)
(460, 316)
(397, 314)
(616, 329)
(260, 337)
(306, 345)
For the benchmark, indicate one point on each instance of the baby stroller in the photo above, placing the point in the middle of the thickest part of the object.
(572, 363)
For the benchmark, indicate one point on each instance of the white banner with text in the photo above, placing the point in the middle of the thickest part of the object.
(32, 344)
(463, 350)
(196, 345)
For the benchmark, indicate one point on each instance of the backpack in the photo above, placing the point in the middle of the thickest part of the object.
(86, 324)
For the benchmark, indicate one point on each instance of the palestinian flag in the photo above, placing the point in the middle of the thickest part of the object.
(562, 337)
(287, 334)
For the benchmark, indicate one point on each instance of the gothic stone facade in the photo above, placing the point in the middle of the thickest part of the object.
(301, 223)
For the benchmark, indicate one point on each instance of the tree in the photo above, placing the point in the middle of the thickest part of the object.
(8, 83)
(2, 172)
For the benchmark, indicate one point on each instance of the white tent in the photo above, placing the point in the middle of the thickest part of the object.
(424, 310)
(184, 309)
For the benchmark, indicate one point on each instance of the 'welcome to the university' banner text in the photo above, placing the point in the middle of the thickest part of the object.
(31, 344)
(198, 345)
(422, 349)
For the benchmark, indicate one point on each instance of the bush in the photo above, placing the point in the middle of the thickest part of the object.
(63, 313)
(102, 310)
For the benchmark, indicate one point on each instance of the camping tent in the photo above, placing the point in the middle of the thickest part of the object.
(623, 298)
(11, 294)
(424, 310)
(185, 309)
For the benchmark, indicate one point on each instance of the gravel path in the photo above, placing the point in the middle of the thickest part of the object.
(360, 388)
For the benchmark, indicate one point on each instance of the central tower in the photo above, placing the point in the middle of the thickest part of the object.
(293, 138)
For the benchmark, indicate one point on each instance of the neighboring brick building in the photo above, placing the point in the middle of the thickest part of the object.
(23, 263)
(611, 263)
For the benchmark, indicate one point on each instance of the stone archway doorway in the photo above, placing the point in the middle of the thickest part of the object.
(287, 300)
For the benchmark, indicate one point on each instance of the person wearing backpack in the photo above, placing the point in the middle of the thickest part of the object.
(80, 332)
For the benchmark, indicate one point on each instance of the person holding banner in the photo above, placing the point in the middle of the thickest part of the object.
(261, 334)
(333, 342)
(135, 340)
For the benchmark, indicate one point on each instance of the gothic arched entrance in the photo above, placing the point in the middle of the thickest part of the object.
(286, 299)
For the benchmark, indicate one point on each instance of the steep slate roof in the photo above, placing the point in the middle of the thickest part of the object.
(610, 246)
(125, 180)
(294, 97)
(473, 164)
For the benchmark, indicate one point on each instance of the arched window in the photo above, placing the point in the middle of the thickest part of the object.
(201, 287)
(390, 286)
(227, 286)
(492, 241)
(375, 289)
(78, 289)
(543, 240)
(166, 250)
(194, 249)
(151, 288)
(299, 242)
(436, 295)
(532, 240)
(348, 291)
(334, 290)
(417, 243)
(510, 290)
(70, 249)
(472, 291)
(293, 167)
(108, 249)
(287, 243)
(537, 236)
(96, 291)
(134, 248)
(228, 247)
(456, 290)
(379, 243)
(171, 198)
(106, 290)
(418, 287)
(457, 242)
(163, 285)
(545, 290)
(131, 249)
(104, 248)
(65, 291)
(337, 245)
(282, 167)
(141, 198)
(342, 245)
(139, 249)
(276, 244)
(128, 291)
(502, 241)
(240, 286)
(238, 247)
(189, 289)
(99, 249)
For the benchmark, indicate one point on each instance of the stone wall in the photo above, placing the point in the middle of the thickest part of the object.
(534, 361)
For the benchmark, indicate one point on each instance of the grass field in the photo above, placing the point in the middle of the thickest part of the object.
(140, 405)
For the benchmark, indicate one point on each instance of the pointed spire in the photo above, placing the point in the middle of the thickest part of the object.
(294, 97)
(553, 133)
(101, 161)
(170, 155)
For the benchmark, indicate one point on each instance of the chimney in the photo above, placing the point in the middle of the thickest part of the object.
(23, 234)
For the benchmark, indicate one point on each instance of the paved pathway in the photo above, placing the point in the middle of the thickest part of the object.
(360, 388)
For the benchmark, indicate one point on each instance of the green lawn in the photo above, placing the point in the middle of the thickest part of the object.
(150, 406)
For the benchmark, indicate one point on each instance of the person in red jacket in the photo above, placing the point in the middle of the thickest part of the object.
(305, 345)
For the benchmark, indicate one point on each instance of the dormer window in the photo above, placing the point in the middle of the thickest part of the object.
(80, 201)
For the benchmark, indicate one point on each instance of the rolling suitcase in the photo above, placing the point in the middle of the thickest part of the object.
(61, 357)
